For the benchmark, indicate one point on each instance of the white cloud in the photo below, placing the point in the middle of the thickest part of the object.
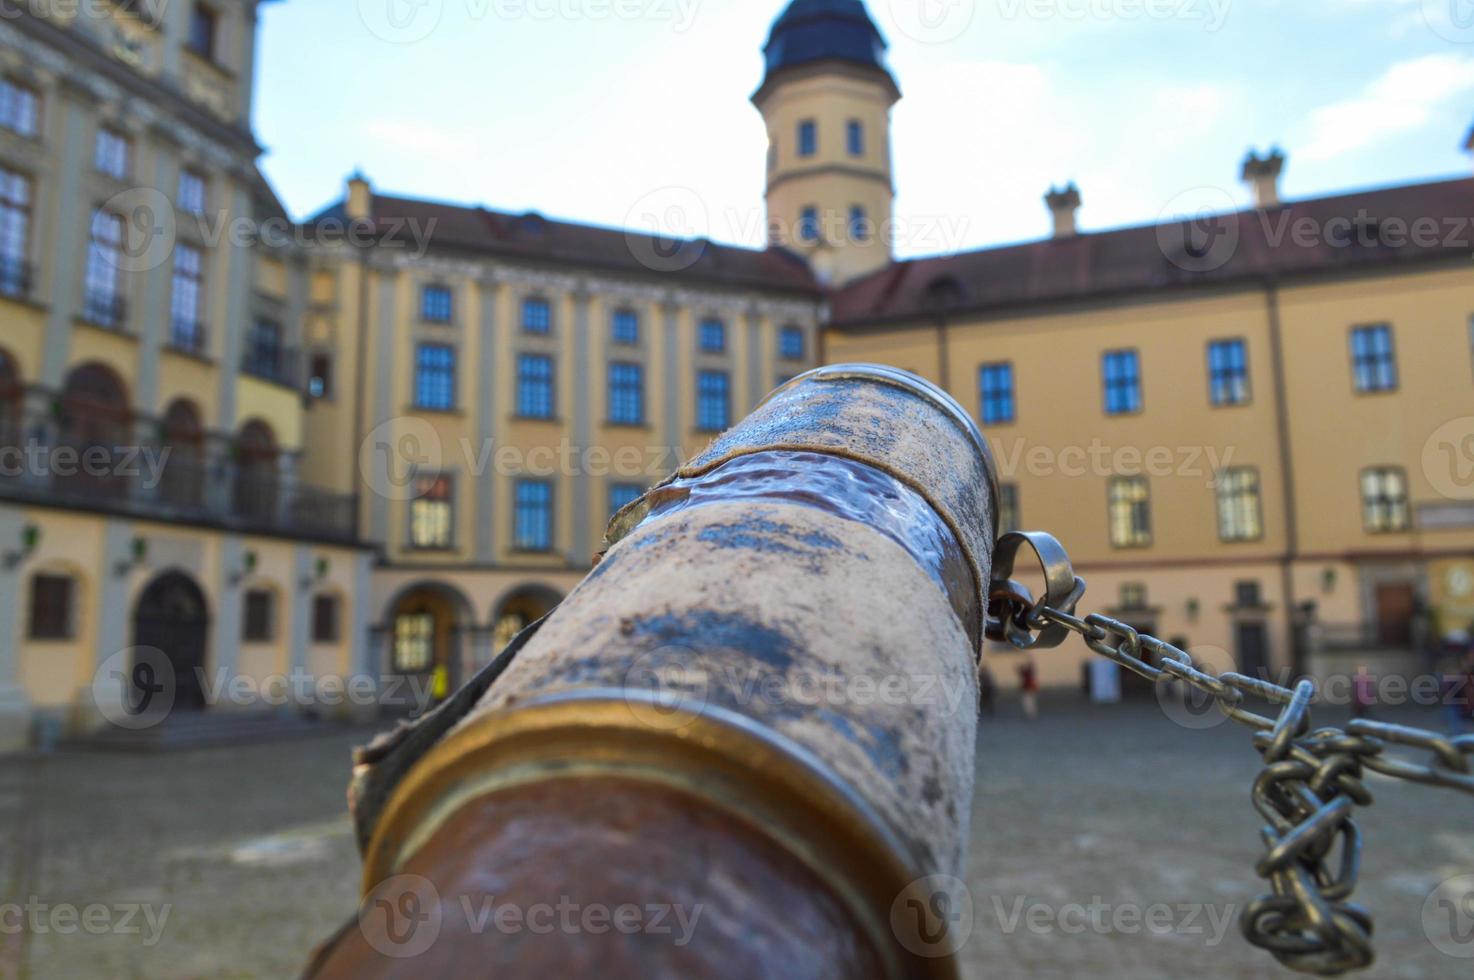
(1402, 100)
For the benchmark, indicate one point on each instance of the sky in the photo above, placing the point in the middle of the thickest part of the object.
(635, 113)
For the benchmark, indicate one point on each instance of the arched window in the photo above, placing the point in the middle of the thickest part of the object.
(256, 472)
(184, 439)
(96, 425)
(10, 401)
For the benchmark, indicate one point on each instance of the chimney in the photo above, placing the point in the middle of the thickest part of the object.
(1264, 175)
(1062, 205)
(359, 205)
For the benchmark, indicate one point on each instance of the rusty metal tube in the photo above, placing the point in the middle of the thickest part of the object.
(761, 703)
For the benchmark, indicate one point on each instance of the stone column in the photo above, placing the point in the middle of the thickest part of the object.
(15, 708)
(581, 548)
(487, 387)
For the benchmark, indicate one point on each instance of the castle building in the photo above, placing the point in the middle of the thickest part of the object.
(395, 431)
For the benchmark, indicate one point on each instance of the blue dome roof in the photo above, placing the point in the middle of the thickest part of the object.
(818, 30)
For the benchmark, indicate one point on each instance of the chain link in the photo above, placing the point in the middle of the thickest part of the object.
(1307, 791)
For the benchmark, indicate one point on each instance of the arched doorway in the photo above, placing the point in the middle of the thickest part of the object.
(184, 438)
(10, 401)
(256, 472)
(94, 424)
(519, 609)
(426, 628)
(172, 616)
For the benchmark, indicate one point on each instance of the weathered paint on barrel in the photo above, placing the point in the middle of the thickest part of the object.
(785, 635)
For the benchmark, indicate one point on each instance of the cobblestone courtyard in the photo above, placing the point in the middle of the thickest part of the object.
(248, 851)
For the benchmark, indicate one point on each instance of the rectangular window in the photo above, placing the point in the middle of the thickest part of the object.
(713, 406)
(111, 154)
(1248, 594)
(435, 377)
(1240, 514)
(18, 108)
(432, 513)
(51, 607)
(712, 336)
(191, 192)
(621, 495)
(533, 519)
(202, 30)
(257, 625)
(15, 233)
(535, 386)
(320, 376)
(808, 225)
(626, 327)
(537, 316)
(855, 138)
(414, 643)
(808, 138)
(1228, 372)
(1130, 512)
(791, 344)
(265, 353)
(1134, 595)
(626, 394)
(1373, 359)
(185, 331)
(325, 619)
(859, 224)
(1121, 379)
(437, 304)
(1384, 501)
(103, 301)
(995, 385)
(1008, 508)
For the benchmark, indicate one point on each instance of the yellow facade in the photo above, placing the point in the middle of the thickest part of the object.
(364, 428)
(179, 376)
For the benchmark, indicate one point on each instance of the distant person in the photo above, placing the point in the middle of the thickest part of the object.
(1363, 693)
(1028, 677)
(987, 691)
(1453, 694)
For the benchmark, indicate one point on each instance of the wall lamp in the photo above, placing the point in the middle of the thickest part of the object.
(30, 540)
(137, 555)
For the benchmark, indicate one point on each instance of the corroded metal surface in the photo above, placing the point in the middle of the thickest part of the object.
(784, 637)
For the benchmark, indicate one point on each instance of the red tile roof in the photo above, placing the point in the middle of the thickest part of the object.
(538, 239)
(1365, 230)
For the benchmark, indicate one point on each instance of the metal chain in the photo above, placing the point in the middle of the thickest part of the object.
(1307, 791)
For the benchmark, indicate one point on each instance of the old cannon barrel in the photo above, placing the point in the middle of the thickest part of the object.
(757, 713)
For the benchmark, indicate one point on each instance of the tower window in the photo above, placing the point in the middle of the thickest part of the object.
(808, 225)
(808, 138)
(859, 224)
(855, 138)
